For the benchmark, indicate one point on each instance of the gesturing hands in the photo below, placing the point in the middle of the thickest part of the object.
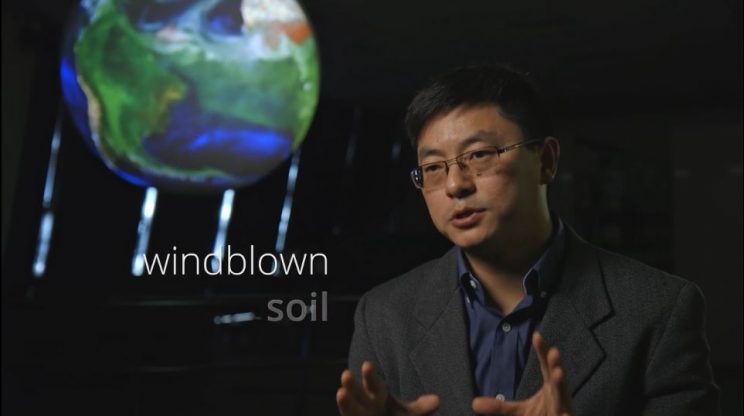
(553, 399)
(371, 398)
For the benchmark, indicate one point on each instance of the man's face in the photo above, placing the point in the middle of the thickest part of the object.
(488, 210)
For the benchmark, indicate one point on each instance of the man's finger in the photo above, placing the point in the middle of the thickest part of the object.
(554, 358)
(541, 350)
(493, 407)
(558, 378)
(359, 395)
(371, 381)
(347, 404)
(561, 388)
(424, 405)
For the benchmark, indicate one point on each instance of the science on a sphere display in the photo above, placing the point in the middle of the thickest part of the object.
(191, 94)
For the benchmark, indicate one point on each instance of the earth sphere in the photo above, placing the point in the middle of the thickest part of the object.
(191, 94)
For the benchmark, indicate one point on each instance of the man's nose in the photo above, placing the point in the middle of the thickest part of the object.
(459, 182)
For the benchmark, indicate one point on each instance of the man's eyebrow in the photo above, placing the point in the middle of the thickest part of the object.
(428, 151)
(480, 136)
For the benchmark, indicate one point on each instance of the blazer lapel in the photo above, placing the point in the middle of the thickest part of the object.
(441, 357)
(579, 303)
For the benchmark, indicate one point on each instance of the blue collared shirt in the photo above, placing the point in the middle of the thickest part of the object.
(500, 345)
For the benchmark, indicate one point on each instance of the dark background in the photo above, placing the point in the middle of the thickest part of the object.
(647, 99)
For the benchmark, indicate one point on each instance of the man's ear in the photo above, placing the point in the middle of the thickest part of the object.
(551, 152)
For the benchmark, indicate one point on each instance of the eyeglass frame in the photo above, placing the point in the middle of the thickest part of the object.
(459, 159)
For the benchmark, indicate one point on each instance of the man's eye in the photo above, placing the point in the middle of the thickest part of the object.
(480, 154)
(432, 168)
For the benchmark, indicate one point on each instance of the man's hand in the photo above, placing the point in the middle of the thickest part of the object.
(553, 399)
(371, 398)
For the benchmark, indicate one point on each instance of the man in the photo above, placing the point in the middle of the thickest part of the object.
(470, 332)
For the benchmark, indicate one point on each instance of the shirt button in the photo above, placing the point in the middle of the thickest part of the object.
(543, 294)
(506, 327)
(472, 284)
(500, 397)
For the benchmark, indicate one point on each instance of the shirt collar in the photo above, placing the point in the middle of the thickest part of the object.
(543, 276)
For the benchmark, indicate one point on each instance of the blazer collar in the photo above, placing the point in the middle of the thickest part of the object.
(575, 308)
(442, 357)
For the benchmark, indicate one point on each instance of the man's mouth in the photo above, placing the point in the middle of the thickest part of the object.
(466, 217)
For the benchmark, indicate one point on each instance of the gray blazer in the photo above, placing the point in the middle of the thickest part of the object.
(631, 337)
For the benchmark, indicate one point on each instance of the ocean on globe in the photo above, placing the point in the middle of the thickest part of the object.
(191, 94)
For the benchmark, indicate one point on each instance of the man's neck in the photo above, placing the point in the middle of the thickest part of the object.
(501, 269)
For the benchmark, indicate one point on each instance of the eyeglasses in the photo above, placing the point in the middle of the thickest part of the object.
(477, 162)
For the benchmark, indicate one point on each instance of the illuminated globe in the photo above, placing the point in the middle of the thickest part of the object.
(191, 94)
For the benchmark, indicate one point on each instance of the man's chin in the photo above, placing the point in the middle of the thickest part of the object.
(467, 242)
(474, 239)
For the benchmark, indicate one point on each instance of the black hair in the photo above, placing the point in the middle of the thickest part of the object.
(512, 91)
